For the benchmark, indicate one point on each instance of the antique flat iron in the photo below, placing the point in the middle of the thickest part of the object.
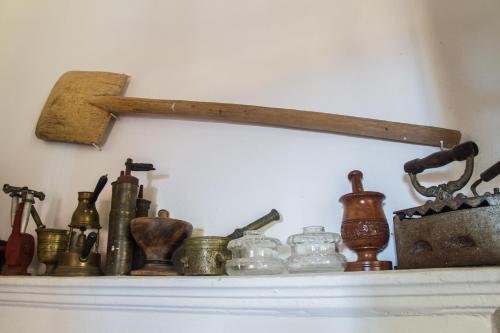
(450, 231)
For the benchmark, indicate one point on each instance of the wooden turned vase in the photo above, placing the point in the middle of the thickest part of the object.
(364, 226)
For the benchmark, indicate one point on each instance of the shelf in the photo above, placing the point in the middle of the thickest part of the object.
(474, 291)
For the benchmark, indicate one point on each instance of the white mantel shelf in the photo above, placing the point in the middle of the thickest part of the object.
(439, 300)
(474, 291)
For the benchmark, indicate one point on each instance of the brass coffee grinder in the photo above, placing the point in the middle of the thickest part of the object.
(121, 245)
(81, 257)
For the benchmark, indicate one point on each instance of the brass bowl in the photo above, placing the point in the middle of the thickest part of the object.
(50, 243)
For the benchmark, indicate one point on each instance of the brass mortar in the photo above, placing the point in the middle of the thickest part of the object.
(51, 242)
(206, 255)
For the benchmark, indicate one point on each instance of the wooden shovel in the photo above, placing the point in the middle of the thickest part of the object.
(79, 106)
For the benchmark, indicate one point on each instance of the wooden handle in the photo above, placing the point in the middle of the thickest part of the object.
(491, 172)
(98, 189)
(288, 118)
(355, 178)
(87, 246)
(441, 158)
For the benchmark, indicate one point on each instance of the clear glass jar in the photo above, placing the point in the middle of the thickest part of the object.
(315, 250)
(254, 254)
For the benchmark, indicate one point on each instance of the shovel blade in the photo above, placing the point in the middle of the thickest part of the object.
(67, 115)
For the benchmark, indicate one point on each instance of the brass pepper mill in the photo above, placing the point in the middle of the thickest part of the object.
(82, 257)
(364, 226)
(121, 244)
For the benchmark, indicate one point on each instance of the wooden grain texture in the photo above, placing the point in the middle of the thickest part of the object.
(76, 111)
(67, 116)
(288, 118)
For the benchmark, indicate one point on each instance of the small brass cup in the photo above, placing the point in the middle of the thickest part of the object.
(50, 243)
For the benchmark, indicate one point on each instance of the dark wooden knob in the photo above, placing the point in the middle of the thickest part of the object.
(355, 178)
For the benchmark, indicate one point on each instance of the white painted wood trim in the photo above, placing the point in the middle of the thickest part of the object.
(366, 294)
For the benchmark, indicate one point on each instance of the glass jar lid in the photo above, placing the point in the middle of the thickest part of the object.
(314, 234)
(252, 239)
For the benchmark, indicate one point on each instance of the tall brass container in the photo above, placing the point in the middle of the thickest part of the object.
(121, 244)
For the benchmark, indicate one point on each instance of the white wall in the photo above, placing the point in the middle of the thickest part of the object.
(426, 62)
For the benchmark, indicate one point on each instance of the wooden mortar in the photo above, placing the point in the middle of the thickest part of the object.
(159, 237)
(364, 226)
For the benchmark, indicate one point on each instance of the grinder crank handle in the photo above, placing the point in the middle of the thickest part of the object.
(131, 166)
(87, 246)
(486, 176)
(98, 189)
(442, 158)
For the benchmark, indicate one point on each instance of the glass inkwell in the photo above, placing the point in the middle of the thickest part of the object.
(254, 254)
(315, 251)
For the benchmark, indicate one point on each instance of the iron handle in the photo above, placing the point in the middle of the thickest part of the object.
(486, 176)
(442, 158)
(491, 172)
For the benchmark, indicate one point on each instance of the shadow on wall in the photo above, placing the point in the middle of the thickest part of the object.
(462, 52)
